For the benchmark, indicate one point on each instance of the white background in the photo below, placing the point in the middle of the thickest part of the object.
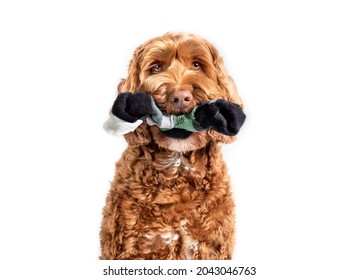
(293, 169)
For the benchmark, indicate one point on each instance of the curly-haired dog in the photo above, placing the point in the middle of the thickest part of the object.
(171, 196)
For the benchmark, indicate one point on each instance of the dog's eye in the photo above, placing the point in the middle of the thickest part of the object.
(196, 65)
(156, 68)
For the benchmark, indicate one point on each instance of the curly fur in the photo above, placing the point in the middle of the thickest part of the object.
(171, 198)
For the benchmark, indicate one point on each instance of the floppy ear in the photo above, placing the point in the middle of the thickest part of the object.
(132, 82)
(142, 135)
(226, 83)
(224, 80)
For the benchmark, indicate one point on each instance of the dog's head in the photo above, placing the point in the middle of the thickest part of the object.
(179, 71)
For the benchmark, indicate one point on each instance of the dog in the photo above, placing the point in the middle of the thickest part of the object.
(171, 195)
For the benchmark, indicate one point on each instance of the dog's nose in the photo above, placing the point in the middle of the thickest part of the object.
(180, 98)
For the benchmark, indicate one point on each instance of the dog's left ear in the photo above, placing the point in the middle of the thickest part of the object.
(223, 78)
(228, 85)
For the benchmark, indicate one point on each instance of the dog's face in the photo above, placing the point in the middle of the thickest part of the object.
(180, 71)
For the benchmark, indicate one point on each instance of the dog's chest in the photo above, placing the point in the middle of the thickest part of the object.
(171, 238)
(175, 163)
(171, 223)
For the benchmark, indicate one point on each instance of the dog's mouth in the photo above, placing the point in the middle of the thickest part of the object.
(178, 112)
(169, 109)
(176, 133)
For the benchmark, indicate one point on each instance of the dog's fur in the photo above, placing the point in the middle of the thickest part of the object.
(171, 198)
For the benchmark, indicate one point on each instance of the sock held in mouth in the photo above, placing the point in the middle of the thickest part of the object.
(220, 115)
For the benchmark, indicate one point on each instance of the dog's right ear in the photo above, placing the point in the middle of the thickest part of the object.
(132, 82)
(142, 135)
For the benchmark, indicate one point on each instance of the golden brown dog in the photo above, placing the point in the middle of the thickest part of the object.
(171, 197)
